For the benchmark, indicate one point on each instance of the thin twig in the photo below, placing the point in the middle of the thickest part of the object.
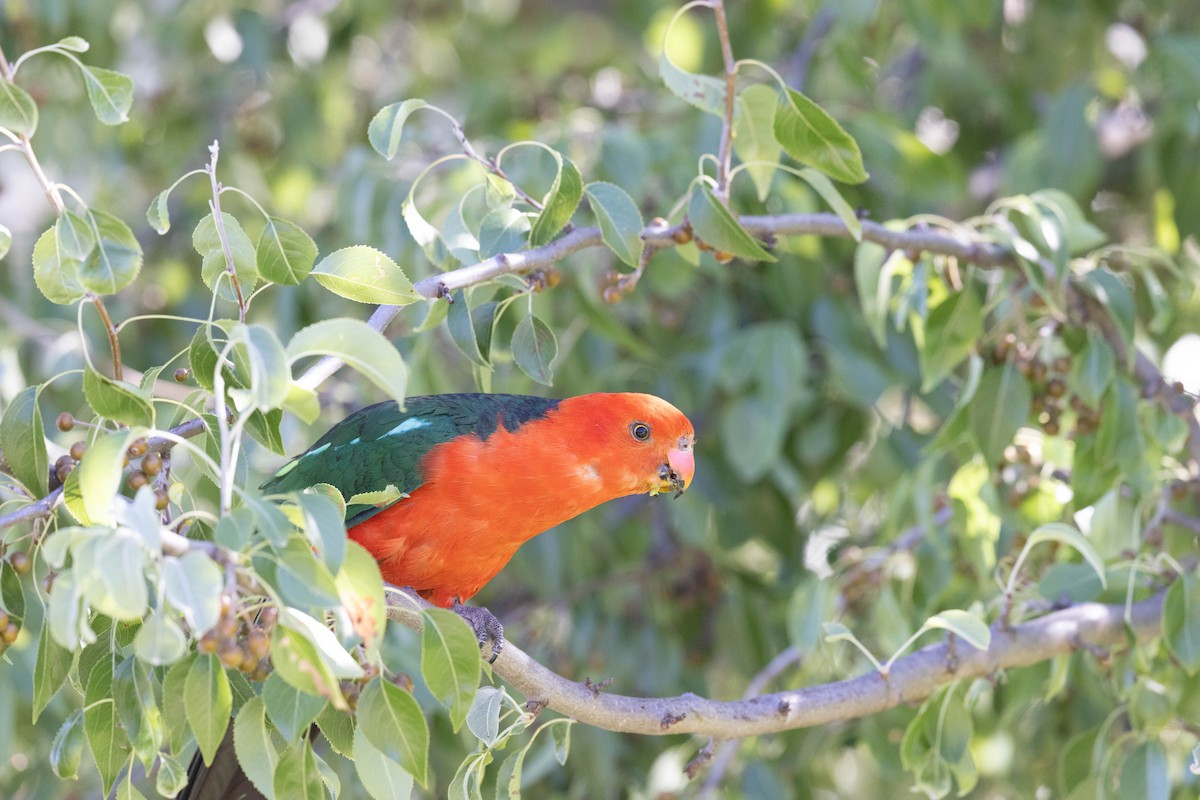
(52, 193)
(219, 222)
(113, 344)
(725, 149)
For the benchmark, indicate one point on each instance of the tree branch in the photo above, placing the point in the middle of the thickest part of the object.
(912, 678)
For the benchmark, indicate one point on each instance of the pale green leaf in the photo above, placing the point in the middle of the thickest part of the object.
(365, 275)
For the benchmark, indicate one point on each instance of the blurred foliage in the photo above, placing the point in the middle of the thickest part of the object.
(827, 420)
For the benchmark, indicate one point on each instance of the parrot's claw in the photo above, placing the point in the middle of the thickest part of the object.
(485, 625)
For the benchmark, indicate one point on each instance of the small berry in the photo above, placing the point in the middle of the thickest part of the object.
(227, 627)
(1038, 370)
(208, 643)
(682, 235)
(249, 664)
(1061, 365)
(182, 374)
(152, 463)
(1037, 404)
(552, 278)
(161, 499)
(703, 245)
(137, 448)
(3, 619)
(10, 632)
(261, 672)
(722, 256)
(612, 295)
(20, 563)
(1052, 427)
(78, 449)
(1056, 388)
(230, 654)
(65, 421)
(258, 643)
(268, 617)
(137, 479)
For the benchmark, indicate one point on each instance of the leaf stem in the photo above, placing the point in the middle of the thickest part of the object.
(219, 222)
(113, 343)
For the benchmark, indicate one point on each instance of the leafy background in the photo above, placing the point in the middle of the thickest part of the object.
(808, 437)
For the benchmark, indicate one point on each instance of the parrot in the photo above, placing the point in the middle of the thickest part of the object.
(477, 475)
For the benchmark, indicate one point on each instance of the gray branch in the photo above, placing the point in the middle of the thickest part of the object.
(912, 678)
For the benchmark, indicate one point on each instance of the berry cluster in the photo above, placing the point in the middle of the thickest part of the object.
(150, 468)
(1048, 379)
(241, 644)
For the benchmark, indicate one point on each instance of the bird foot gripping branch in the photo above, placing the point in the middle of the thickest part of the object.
(486, 626)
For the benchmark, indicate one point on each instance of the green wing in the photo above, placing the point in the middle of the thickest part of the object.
(381, 445)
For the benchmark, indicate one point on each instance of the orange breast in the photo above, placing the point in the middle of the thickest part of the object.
(480, 501)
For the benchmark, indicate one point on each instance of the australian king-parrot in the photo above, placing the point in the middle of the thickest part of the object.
(483, 473)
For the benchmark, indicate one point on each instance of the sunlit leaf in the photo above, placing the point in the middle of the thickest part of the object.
(109, 92)
(286, 253)
(365, 275)
(387, 125)
(18, 110)
(808, 134)
(714, 225)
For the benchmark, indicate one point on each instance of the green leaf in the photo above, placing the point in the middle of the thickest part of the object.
(1077, 583)
(1061, 532)
(193, 584)
(291, 710)
(1000, 407)
(100, 475)
(808, 134)
(255, 746)
(157, 214)
(53, 663)
(1181, 622)
(208, 703)
(1093, 370)
(483, 718)
(5, 240)
(754, 139)
(116, 400)
(18, 111)
(386, 126)
(830, 194)
(285, 253)
(160, 640)
(296, 774)
(116, 260)
(338, 727)
(172, 776)
(23, 440)
(1112, 293)
(968, 627)
(715, 226)
(460, 323)
(56, 275)
(110, 574)
(702, 91)
(360, 588)
(110, 93)
(174, 705)
(260, 359)
(137, 708)
(503, 230)
(450, 662)
(75, 44)
(66, 751)
(1144, 773)
(951, 331)
(1081, 235)
(75, 237)
(65, 615)
(381, 775)
(308, 656)
(559, 204)
(263, 427)
(323, 525)
(302, 579)
(107, 740)
(365, 275)
(619, 219)
(394, 724)
(360, 346)
(206, 240)
(534, 347)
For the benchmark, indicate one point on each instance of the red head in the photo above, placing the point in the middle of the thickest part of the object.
(641, 443)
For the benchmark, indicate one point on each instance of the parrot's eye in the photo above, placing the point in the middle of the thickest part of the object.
(640, 431)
